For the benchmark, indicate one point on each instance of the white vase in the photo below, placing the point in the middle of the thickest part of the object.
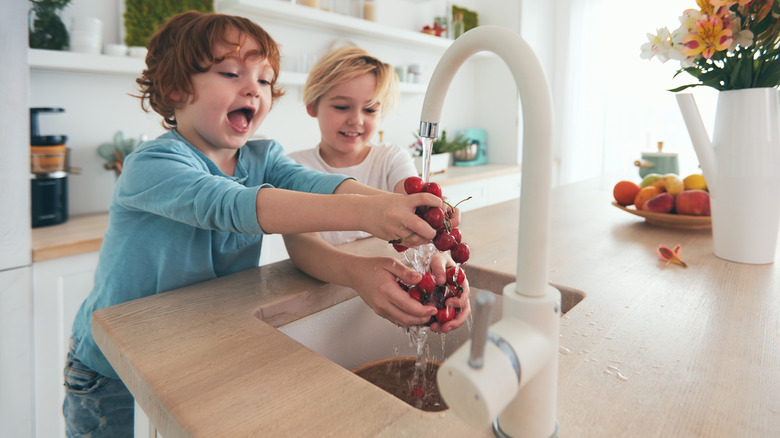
(742, 169)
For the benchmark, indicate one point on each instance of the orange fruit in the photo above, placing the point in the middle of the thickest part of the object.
(625, 192)
(644, 194)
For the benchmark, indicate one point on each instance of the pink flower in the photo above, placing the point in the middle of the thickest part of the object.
(709, 37)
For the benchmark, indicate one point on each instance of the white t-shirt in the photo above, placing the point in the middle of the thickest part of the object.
(384, 167)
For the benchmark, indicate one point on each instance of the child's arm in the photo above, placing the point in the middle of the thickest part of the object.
(387, 216)
(374, 278)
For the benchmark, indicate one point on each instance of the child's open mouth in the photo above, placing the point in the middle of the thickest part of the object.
(239, 119)
(351, 134)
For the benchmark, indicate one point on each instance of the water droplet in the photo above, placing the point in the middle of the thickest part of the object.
(563, 350)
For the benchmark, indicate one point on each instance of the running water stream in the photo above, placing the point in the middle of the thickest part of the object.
(420, 260)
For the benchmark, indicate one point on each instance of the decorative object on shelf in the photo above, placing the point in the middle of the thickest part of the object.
(114, 153)
(47, 31)
(734, 49)
(470, 18)
(143, 17)
(86, 35)
(369, 10)
(435, 30)
(458, 26)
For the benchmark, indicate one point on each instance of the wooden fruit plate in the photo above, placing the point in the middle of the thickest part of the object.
(670, 220)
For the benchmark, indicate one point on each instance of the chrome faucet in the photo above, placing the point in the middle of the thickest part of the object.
(510, 377)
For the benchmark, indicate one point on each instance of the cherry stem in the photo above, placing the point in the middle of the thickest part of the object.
(399, 241)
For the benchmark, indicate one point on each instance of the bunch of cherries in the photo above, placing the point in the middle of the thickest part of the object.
(448, 238)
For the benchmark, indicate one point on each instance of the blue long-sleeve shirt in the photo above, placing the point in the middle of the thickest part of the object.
(176, 219)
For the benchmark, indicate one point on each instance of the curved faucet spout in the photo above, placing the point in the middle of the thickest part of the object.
(516, 384)
(536, 100)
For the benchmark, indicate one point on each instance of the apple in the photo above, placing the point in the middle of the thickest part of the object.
(661, 203)
(695, 202)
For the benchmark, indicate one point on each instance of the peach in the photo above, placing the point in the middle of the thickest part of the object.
(694, 202)
(661, 203)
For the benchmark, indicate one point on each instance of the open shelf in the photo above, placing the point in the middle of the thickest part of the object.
(74, 62)
(284, 12)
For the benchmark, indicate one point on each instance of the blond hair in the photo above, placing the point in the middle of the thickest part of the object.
(340, 65)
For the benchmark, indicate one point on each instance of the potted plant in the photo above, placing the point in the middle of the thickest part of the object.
(443, 148)
(47, 31)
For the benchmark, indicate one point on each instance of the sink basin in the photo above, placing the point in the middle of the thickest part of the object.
(351, 334)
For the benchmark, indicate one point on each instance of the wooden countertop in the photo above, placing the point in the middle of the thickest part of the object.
(653, 350)
(78, 235)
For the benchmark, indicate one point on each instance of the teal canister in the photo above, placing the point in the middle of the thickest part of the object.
(658, 162)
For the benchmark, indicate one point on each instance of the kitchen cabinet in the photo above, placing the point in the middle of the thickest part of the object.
(58, 288)
(16, 352)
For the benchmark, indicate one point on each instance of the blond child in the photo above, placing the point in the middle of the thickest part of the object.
(194, 203)
(349, 91)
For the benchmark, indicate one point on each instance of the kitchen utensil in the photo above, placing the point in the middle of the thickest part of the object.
(657, 162)
(48, 173)
(476, 153)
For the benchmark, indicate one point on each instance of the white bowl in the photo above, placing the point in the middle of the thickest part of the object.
(87, 24)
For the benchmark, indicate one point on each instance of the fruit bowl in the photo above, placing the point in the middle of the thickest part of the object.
(670, 220)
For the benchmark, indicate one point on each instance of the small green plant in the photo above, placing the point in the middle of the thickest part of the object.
(143, 17)
(441, 145)
(114, 152)
(47, 31)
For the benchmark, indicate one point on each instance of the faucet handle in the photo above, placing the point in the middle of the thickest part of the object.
(483, 310)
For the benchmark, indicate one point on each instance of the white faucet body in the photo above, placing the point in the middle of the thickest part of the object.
(516, 387)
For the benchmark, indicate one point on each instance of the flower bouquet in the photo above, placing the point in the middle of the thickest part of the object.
(726, 45)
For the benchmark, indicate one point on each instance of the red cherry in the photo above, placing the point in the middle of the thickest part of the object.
(435, 217)
(455, 275)
(415, 293)
(418, 392)
(399, 248)
(443, 240)
(456, 234)
(427, 284)
(432, 188)
(460, 253)
(445, 314)
(413, 184)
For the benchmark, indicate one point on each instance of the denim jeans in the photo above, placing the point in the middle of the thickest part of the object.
(95, 406)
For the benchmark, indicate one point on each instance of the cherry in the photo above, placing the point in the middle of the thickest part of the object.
(456, 234)
(418, 392)
(399, 248)
(460, 253)
(435, 217)
(427, 284)
(443, 240)
(413, 184)
(455, 275)
(415, 293)
(445, 314)
(432, 188)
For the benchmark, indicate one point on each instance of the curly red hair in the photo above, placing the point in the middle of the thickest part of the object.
(183, 46)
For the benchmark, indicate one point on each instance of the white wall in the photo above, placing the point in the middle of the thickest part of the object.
(97, 106)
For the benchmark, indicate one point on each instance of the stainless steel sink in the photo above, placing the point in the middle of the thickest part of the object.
(351, 334)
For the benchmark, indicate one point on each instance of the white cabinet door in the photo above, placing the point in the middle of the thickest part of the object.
(59, 288)
(16, 355)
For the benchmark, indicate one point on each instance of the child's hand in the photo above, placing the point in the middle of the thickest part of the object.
(439, 263)
(392, 217)
(377, 286)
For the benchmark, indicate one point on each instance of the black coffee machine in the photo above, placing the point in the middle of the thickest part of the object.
(48, 173)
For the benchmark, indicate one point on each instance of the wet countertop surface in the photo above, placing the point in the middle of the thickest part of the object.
(653, 350)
